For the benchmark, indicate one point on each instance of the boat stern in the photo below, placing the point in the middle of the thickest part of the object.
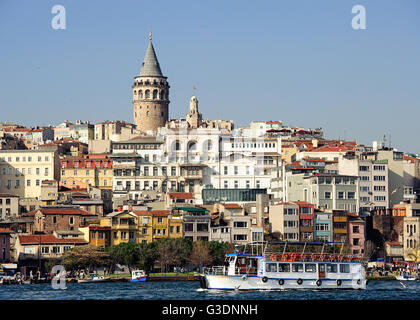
(203, 281)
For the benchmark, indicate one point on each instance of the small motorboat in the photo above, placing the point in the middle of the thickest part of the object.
(138, 276)
(95, 278)
(405, 277)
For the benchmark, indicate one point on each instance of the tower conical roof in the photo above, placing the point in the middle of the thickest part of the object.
(150, 66)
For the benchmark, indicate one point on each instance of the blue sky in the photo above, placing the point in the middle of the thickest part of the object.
(296, 61)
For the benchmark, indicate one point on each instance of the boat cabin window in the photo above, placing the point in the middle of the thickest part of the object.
(297, 267)
(284, 267)
(332, 268)
(344, 268)
(310, 267)
(271, 267)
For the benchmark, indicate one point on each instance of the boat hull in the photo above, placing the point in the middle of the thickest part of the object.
(225, 282)
(405, 279)
(140, 279)
(93, 281)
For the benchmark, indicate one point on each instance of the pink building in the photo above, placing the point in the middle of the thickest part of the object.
(356, 234)
(5, 244)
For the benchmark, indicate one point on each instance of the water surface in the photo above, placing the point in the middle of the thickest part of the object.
(190, 290)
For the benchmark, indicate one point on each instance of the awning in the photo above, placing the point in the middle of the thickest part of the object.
(9, 265)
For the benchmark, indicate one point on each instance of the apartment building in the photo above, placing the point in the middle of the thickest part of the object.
(9, 205)
(373, 180)
(329, 191)
(95, 170)
(323, 228)
(22, 171)
(143, 226)
(196, 222)
(60, 218)
(231, 225)
(284, 219)
(356, 235)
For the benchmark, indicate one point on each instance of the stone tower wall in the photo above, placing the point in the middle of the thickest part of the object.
(151, 103)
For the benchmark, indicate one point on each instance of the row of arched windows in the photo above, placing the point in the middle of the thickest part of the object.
(148, 82)
(192, 146)
(148, 94)
(411, 228)
(411, 243)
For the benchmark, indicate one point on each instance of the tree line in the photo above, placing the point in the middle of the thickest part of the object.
(163, 253)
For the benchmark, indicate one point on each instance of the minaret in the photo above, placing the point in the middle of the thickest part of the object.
(150, 94)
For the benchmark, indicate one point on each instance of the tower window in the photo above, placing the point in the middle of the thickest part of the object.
(147, 94)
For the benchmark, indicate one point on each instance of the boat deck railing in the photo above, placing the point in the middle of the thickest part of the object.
(216, 270)
(307, 257)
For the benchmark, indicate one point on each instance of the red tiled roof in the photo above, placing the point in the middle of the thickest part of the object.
(303, 203)
(98, 228)
(46, 239)
(181, 195)
(8, 195)
(353, 215)
(313, 160)
(2, 230)
(69, 211)
(231, 205)
(157, 213)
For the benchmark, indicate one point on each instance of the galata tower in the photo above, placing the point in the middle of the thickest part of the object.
(150, 94)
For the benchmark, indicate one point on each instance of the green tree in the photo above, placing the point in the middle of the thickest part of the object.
(200, 255)
(172, 252)
(147, 256)
(85, 257)
(125, 254)
(218, 250)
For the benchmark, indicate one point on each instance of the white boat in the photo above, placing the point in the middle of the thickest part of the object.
(405, 278)
(138, 276)
(94, 278)
(286, 270)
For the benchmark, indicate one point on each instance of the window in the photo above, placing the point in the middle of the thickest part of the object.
(332, 268)
(327, 195)
(284, 267)
(240, 224)
(297, 267)
(340, 195)
(350, 195)
(225, 170)
(240, 237)
(310, 267)
(271, 267)
(344, 268)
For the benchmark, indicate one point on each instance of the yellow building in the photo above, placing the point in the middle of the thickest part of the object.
(96, 235)
(94, 169)
(143, 226)
(22, 171)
